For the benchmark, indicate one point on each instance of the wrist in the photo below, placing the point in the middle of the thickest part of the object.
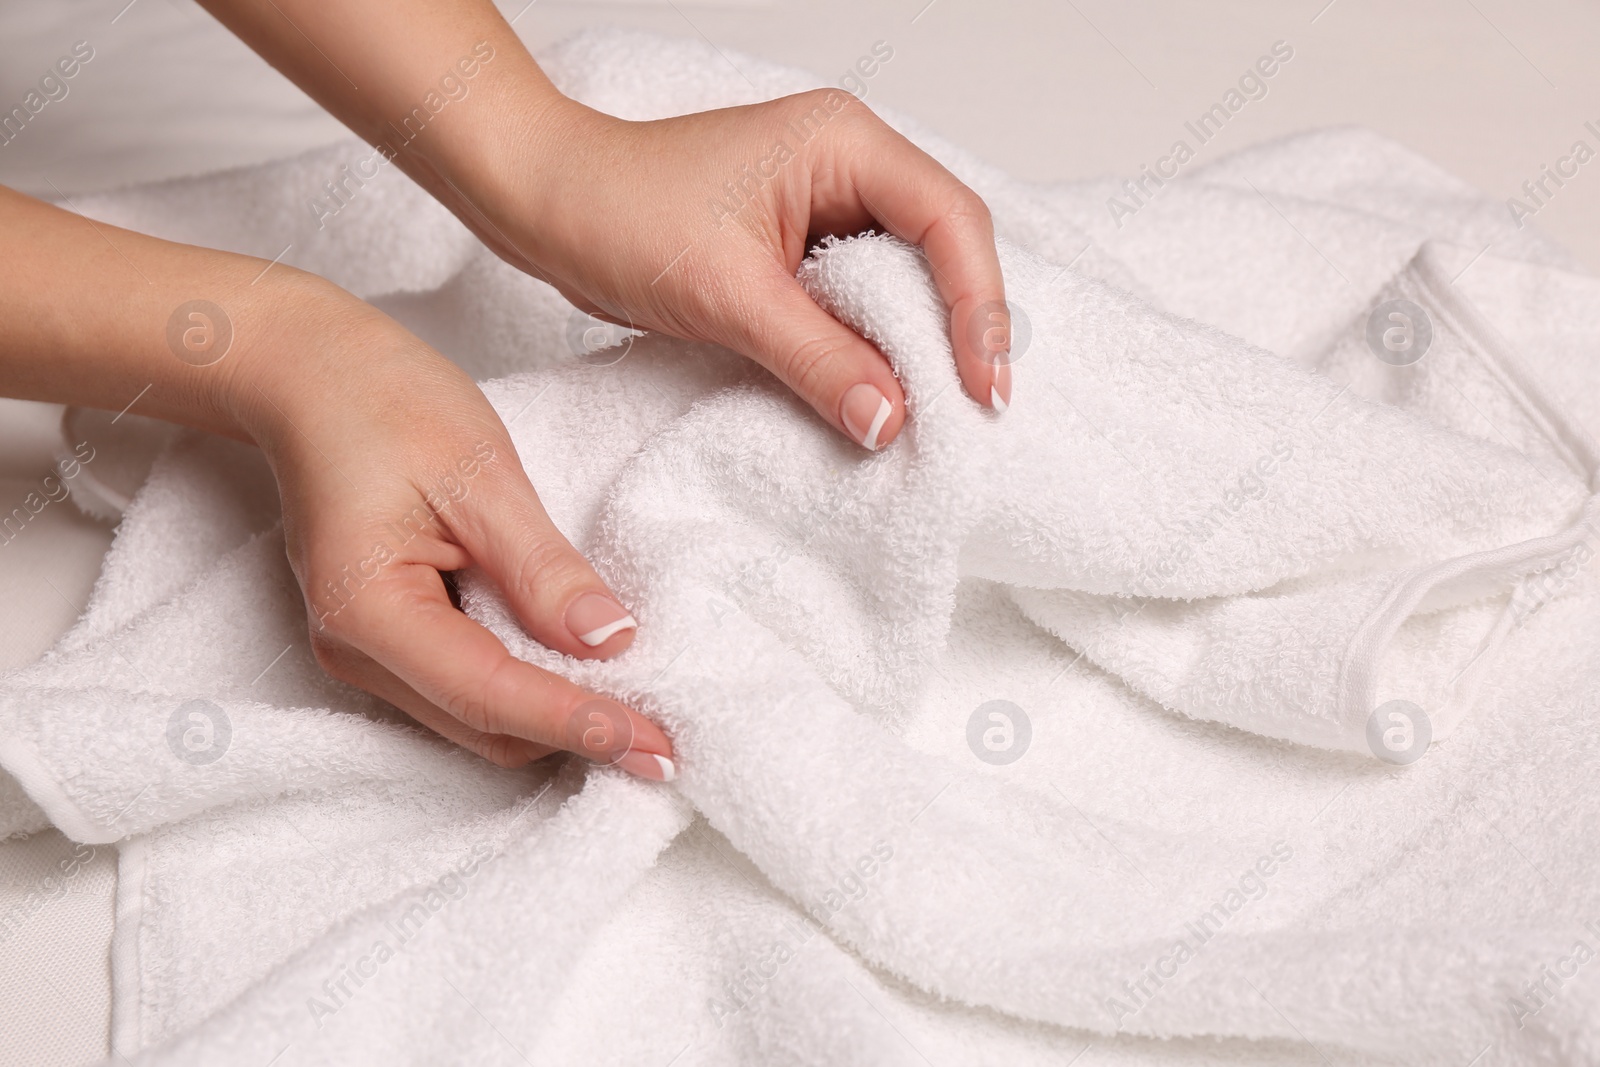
(521, 176)
(297, 344)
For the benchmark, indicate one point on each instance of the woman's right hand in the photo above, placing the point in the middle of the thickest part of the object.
(393, 469)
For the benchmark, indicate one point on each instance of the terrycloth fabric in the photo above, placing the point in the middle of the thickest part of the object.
(1213, 521)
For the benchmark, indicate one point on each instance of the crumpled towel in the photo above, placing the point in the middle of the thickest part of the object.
(846, 869)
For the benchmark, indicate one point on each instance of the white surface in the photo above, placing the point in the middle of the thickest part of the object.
(48, 567)
(1048, 91)
(55, 923)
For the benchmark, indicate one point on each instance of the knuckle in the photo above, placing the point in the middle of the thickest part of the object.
(545, 563)
(966, 209)
(812, 363)
(502, 750)
(502, 702)
(823, 97)
(468, 704)
(819, 111)
(472, 702)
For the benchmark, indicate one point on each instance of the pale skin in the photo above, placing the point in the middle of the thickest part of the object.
(361, 421)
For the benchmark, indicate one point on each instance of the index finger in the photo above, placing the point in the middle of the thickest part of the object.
(919, 201)
(410, 627)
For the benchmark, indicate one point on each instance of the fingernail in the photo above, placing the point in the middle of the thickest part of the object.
(594, 617)
(863, 412)
(649, 765)
(1000, 387)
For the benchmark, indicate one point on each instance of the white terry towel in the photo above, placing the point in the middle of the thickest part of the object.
(819, 627)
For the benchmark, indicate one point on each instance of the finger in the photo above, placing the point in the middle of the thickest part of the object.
(828, 364)
(406, 624)
(554, 591)
(919, 201)
(358, 669)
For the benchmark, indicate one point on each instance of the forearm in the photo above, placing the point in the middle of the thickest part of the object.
(103, 317)
(693, 226)
(444, 89)
(391, 468)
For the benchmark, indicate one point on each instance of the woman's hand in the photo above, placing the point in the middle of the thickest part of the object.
(693, 225)
(393, 470)
(391, 465)
(696, 225)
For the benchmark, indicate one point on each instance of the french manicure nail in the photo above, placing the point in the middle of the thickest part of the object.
(1000, 387)
(863, 411)
(595, 617)
(649, 765)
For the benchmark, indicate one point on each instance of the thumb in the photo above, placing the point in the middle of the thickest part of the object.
(826, 363)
